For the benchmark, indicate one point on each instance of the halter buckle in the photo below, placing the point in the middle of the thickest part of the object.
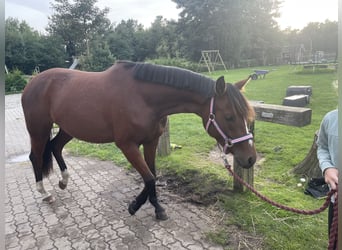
(229, 143)
(211, 117)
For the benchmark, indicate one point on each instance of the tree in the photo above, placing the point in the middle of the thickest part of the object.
(21, 45)
(163, 39)
(126, 41)
(77, 23)
(99, 58)
(195, 25)
(263, 42)
(26, 48)
(51, 53)
(320, 36)
(228, 25)
(313, 37)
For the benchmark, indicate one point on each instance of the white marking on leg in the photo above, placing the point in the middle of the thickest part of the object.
(41, 189)
(65, 177)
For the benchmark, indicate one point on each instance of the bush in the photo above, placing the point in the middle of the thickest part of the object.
(14, 81)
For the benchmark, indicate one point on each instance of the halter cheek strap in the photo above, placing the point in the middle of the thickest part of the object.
(228, 142)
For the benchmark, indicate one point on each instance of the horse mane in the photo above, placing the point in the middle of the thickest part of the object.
(189, 80)
(173, 77)
(239, 103)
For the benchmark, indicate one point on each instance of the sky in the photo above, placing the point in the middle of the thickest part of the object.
(294, 13)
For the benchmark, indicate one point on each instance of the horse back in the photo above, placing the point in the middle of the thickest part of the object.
(91, 106)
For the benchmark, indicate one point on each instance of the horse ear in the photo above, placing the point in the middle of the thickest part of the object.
(220, 86)
(242, 84)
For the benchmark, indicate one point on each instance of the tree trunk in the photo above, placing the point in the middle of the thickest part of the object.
(309, 167)
(164, 148)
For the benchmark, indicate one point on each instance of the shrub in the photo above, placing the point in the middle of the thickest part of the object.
(14, 81)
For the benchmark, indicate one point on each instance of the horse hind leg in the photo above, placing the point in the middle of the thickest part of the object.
(41, 160)
(57, 145)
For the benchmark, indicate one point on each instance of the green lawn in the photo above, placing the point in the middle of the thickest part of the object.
(282, 147)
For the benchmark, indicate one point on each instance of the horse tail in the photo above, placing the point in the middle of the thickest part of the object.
(47, 159)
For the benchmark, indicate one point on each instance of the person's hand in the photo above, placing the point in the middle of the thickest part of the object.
(331, 178)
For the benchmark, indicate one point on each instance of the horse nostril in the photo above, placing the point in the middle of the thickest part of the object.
(251, 161)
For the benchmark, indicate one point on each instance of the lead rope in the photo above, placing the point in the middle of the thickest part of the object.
(334, 226)
(333, 238)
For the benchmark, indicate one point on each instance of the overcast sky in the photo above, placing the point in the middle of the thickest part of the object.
(294, 13)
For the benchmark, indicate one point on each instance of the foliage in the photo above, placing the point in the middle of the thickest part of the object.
(51, 53)
(21, 44)
(14, 81)
(163, 39)
(245, 32)
(123, 39)
(25, 48)
(130, 41)
(312, 38)
(282, 148)
(210, 24)
(77, 23)
(175, 62)
(99, 59)
(320, 36)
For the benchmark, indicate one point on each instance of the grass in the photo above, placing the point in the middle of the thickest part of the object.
(283, 148)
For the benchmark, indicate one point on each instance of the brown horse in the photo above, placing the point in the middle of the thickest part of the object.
(128, 104)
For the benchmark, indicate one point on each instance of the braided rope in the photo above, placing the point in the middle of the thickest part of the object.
(276, 204)
(334, 228)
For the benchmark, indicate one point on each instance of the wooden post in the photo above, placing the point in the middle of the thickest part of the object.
(164, 148)
(246, 174)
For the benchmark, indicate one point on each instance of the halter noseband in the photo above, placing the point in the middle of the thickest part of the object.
(228, 142)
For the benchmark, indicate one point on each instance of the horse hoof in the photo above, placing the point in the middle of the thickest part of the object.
(49, 199)
(161, 215)
(61, 185)
(131, 208)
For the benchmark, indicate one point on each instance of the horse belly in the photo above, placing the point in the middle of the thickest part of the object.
(85, 121)
(95, 132)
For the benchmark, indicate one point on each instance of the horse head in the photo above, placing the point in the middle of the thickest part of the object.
(227, 118)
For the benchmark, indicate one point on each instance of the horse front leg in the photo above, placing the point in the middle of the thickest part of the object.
(148, 191)
(140, 200)
(133, 155)
(159, 210)
(150, 156)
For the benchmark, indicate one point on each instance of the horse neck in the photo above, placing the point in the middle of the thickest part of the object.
(175, 101)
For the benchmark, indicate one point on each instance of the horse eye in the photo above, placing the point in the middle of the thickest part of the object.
(230, 118)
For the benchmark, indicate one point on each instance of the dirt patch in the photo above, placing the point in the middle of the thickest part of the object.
(201, 192)
(184, 190)
(198, 187)
(228, 235)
